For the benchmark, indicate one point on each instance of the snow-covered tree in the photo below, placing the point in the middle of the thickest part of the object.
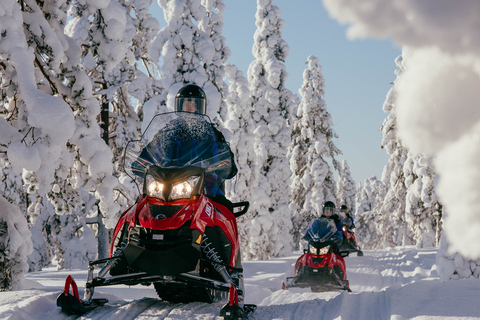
(63, 65)
(369, 198)
(346, 190)
(212, 25)
(15, 246)
(312, 145)
(268, 233)
(182, 50)
(240, 123)
(423, 210)
(392, 214)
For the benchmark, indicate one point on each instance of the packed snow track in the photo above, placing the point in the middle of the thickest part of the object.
(399, 283)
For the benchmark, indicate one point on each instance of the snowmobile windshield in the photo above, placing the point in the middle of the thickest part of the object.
(321, 230)
(177, 140)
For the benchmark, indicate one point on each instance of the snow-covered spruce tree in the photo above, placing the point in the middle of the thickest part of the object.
(240, 123)
(312, 144)
(268, 232)
(15, 246)
(183, 50)
(369, 198)
(392, 214)
(346, 190)
(423, 210)
(212, 24)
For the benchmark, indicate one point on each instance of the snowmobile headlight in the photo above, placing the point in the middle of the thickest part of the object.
(183, 190)
(319, 252)
(155, 188)
(324, 250)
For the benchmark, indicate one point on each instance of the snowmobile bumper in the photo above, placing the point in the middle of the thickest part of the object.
(319, 279)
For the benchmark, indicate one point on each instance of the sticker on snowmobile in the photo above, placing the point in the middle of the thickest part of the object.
(157, 236)
(208, 209)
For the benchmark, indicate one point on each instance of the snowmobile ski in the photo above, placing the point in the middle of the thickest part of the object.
(72, 304)
(233, 311)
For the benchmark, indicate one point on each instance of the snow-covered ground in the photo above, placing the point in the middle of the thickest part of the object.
(399, 283)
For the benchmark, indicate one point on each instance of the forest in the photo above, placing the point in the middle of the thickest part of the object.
(79, 79)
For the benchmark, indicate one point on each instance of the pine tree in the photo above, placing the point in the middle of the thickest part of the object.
(213, 26)
(392, 212)
(184, 49)
(346, 188)
(422, 206)
(312, 144)
(240, 123)
(369, 198)
(269, 228)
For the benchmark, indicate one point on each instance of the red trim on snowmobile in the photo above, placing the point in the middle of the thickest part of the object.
(317, 262)
(69, 282)
(319, 272)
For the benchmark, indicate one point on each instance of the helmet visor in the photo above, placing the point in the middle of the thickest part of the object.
(192, 105)
(328, 211)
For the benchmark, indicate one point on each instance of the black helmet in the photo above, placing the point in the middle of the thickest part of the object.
(343, 207)
(191, 98)
(330, 205)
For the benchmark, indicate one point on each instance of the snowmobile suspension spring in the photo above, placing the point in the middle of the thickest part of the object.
(214, 258)
(110, 264)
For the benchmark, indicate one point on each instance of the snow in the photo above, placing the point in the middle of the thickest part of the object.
(397, 283)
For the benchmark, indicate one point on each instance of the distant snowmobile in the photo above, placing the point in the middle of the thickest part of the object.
(321, 267)
(175, 237)
(349, 243)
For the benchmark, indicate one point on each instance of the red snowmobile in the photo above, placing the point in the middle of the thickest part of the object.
(321, 267)
(177, 236)
(349, 243)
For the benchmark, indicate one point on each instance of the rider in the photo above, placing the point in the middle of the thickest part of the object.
(348, 221)
(190, 101)
(328, 212)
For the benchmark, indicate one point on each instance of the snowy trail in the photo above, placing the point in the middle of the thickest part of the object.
(399, 283)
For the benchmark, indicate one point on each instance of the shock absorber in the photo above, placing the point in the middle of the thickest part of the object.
(89, 290)
(214, 258)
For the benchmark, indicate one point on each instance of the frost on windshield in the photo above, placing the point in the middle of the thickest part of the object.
(176, 140)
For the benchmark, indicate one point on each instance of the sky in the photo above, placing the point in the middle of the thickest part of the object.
(395, 283)
(358, 73)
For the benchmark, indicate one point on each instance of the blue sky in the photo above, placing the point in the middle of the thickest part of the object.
(358, 74)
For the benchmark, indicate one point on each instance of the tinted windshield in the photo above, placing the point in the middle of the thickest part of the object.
(176, 140)
(320, 230)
